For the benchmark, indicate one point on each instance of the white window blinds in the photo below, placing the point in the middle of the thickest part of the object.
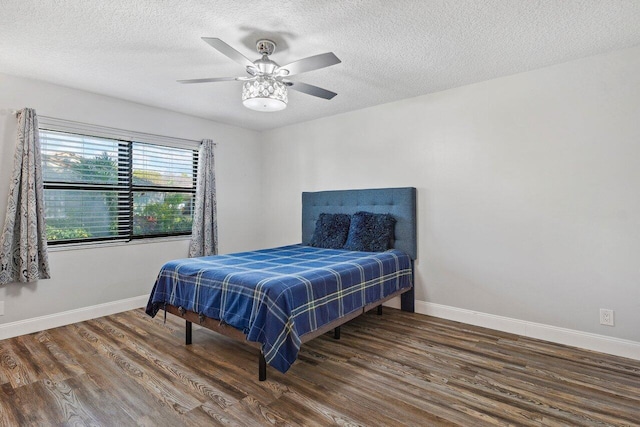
(99, 188)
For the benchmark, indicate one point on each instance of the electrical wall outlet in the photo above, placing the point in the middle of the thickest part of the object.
(1, 308)
(606, 317)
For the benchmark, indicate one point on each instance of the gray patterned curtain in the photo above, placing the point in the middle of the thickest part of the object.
(23, 244)
(204, 233)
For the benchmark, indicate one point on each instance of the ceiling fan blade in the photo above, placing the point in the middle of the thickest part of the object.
(230, 52)
(309, 64)
(214, 79)
(310, 89)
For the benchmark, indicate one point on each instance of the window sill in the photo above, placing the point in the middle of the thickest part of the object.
(97, 245)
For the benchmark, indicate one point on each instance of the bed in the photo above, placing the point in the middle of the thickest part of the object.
(279, 298)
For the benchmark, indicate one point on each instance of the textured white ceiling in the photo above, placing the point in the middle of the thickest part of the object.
(136, 50)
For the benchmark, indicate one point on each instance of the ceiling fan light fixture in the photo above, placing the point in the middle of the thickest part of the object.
(266, 89)
(264, 94)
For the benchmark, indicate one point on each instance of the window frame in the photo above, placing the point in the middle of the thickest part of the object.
(125, 146)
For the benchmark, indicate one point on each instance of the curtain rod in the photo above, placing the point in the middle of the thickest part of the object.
(153, 135)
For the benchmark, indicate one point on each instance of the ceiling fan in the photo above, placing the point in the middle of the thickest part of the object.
(265, 88)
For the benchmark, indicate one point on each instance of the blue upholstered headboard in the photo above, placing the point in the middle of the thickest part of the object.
(399, 202)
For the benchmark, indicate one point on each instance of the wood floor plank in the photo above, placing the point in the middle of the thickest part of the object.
(71, 409)
(397, 369)
(10, 414)
(103, 374)
(33, 405)
(17, 365)
(50, 366)
(145, 375)
(377, 395)
(208, 415)
(102, 406)
(254, 410)
(126, 403)
(351, 399)
(215, 370)
(309, 409)
(171, 368)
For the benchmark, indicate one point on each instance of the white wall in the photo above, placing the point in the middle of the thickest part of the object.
(88, 277)
(528, 189)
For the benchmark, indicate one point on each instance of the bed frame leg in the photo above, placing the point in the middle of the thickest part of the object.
(379, 310)
(336, 333)
(408, 299)
(187, 333)
(262, 368)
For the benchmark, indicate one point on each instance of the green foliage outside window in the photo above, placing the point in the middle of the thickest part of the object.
(57, 233)
(169, 215)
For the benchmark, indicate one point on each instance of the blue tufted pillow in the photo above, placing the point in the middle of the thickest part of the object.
(370, 232)
(331, 231)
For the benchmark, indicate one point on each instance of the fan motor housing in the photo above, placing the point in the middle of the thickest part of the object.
(265, 46)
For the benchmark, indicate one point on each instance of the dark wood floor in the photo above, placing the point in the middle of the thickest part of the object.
(395, 369)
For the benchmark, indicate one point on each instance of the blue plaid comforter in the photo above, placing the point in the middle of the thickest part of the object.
(277, 295)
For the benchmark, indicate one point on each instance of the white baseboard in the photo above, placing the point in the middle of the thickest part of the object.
(37, 324)
(586, 340)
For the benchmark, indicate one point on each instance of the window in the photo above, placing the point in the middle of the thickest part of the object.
(101, 189)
